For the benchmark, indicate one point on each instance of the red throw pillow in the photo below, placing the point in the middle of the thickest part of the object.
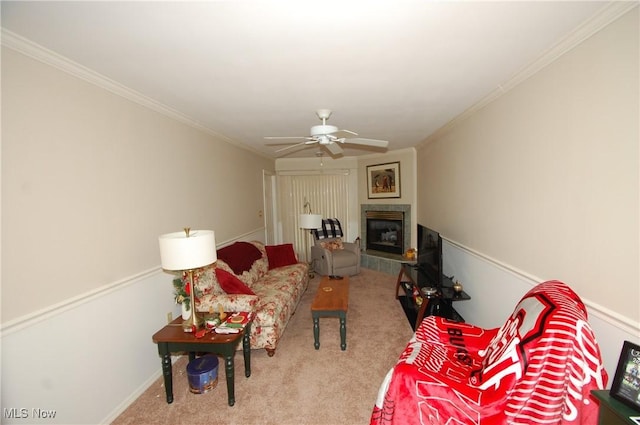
(280, 255)
(240, 256)
(231, 284)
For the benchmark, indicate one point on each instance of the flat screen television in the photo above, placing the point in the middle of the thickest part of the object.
(429, 260)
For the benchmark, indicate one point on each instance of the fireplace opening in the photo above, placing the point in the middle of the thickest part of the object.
(385, 231)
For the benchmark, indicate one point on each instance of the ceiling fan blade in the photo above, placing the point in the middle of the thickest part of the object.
(344, 133)
(288, 143)
(334, 148)
(285, 137)
(281, 143)
(368, 142)
(293, 146)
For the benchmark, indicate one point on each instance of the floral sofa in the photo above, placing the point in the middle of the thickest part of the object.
(249, 276)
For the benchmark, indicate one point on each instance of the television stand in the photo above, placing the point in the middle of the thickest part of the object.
(418, 301)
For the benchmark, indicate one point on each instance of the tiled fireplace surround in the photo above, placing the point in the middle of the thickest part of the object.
(381, 261)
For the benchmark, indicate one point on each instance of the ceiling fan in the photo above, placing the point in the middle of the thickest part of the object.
(329, 137)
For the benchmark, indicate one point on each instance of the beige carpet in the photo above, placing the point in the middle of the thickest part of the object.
(299, 385)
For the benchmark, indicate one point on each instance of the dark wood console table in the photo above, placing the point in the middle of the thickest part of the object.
(417, 305)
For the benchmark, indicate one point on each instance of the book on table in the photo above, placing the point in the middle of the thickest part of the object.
(237, 320)
(234, 322)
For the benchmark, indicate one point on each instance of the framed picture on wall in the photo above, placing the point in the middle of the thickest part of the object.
(626, 381)
(383, 180)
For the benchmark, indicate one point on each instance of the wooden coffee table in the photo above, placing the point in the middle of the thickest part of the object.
(172, 338)
(332, 299)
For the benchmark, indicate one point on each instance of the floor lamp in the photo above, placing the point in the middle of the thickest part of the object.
(188, 251)
(309, 222)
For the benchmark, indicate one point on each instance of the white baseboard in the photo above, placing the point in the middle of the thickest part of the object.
(118, 410)
(97, 341)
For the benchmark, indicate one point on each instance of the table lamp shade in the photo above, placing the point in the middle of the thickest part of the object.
(181, 252)
(310, 221)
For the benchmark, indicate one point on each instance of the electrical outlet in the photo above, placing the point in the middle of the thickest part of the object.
(260, 213)
(169, 317)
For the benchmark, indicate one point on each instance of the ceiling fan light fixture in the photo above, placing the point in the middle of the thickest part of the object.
(324, 139)
(323, 129)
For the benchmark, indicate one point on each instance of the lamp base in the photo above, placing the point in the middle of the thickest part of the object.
(194, 322)
(311, 271)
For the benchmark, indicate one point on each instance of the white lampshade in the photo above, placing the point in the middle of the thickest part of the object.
(181, 252)
(310, 221)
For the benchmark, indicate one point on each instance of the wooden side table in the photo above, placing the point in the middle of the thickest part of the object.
(332, 299)
(613, 412)
(172, 339)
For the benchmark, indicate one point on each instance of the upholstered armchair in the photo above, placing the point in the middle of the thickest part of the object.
(330, 255)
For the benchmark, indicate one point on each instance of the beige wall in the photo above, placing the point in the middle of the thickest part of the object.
(545, 178)
(357, 169)
(407, 160)
(90, 179)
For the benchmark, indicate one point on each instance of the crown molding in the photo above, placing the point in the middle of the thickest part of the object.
(601, 19)
(604, 17)
(35, 51)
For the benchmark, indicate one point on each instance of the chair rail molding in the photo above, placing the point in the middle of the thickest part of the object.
(623, 323)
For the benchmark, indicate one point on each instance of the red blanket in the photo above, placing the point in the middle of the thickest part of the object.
(539, 367)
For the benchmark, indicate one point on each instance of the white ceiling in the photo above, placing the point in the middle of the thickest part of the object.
(394, 70)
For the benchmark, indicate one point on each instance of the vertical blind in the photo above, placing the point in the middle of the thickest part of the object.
(327, 194)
